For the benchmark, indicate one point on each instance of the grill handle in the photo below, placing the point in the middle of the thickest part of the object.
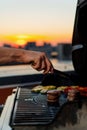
(62, 74)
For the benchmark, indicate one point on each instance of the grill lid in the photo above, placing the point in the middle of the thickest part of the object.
(32, 109)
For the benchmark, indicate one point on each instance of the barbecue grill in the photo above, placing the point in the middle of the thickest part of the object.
(32, 109)
(26, 110)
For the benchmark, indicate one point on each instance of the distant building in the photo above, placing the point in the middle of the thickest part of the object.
(64, 51)
(47, 48)
(30, 45)
(6, 45)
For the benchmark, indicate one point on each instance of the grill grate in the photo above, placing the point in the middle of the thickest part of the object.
(32, 109)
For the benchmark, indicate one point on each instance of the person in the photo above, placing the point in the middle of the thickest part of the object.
(78, 76)
(38, 60)
(79, 42)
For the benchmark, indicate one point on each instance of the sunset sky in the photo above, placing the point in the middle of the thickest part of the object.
(36, 20)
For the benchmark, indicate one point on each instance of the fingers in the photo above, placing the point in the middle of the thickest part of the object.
(36, 64)
(43, 63)
(39, 64)
(49, 66)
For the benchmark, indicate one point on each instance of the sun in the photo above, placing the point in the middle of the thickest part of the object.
(20, 42)
(22, 39)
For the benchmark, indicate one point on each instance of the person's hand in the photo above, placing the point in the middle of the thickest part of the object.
(39, 61)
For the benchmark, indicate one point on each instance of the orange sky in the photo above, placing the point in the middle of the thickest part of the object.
(50, 21)
(22, 39)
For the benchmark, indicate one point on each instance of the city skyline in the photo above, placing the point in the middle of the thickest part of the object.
(41, 21)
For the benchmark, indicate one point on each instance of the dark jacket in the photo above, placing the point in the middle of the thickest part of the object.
(79, 41)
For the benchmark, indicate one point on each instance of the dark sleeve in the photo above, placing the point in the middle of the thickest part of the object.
(79, 57)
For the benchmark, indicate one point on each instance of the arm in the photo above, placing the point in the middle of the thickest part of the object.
(38, 60)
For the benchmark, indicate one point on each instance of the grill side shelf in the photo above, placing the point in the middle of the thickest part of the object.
(14, 104)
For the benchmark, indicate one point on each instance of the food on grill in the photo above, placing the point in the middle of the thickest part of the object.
(75, 87)
(52, 96)
(72, 94)
(37, 88)
(70, 87)
(43, 89)
(62, 88)
(83, 91)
